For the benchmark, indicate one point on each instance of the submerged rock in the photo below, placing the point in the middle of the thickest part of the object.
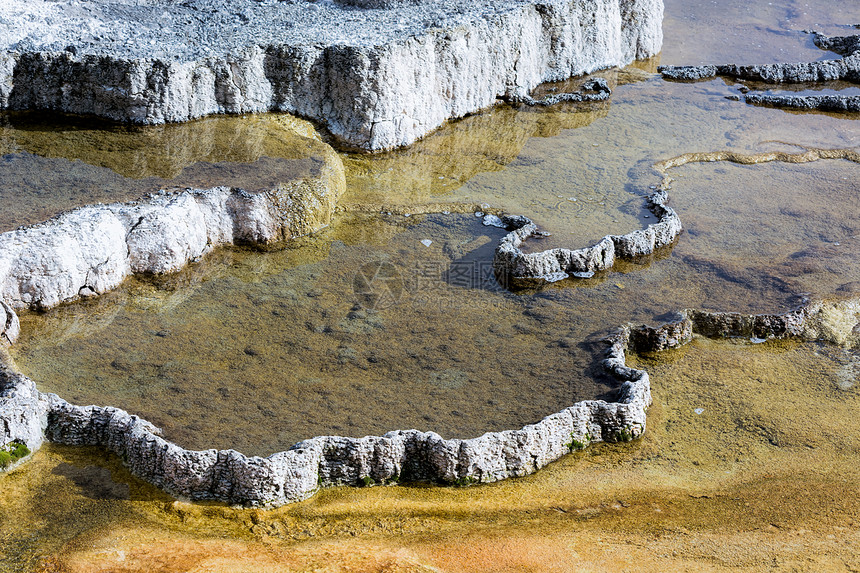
(846, 68)
(377, 78)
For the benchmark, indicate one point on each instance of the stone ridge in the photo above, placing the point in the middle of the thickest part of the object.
(514, 266)
(846, 69)
(412, 73)
(296, 474)
(91, 250)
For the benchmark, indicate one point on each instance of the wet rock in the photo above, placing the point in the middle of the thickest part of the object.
(846, 69)
(823, 102)
(596, 89)
(410, 455)
(293, 475)
(376, 81)
(669, 335)
(10, 327)
(23, 410)
(91, 250)
(516, 268)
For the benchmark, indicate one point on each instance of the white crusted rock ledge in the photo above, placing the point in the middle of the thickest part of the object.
(513, 266)
(377, 78)
(845, 69)
(296, 474)
(91, 250)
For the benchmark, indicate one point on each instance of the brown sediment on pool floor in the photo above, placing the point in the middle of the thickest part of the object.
(845, 69)
(295, 474)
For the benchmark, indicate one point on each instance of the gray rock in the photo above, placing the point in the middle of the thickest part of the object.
(377, 79)
(513, 266)
(823, 102)
(670, 335)
(846, 69)
(833, 321)
(23, 410)
(596, 89)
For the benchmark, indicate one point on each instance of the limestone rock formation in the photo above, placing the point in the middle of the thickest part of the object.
(377, 79)
(22, 410)
(846, 69)
(92, 249)
(512, 265)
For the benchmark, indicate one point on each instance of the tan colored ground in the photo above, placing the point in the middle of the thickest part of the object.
(763, 479)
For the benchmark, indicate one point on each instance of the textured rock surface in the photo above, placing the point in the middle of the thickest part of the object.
(285, 477)
(376, 78)
(91, 250)
(845, 69)
(512, 265)
(824, 102)
(836, 322)
(10, 328)
(410, 455)
(22, 410)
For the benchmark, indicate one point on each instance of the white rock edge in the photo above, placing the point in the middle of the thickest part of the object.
(371, 97)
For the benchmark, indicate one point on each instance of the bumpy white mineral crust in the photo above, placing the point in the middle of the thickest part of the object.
(296, 474)
(378, 73)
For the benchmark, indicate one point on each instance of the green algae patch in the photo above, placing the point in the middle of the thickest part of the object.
(11, 453)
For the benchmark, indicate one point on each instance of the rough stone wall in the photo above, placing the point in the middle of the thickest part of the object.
(372, 97)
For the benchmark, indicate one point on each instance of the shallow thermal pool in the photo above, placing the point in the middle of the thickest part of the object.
(256, 350)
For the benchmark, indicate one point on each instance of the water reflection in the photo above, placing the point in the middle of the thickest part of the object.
(47, 166)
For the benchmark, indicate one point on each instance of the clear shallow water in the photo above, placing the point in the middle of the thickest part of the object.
(759, 32)
(778, 422)
(51, 165)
